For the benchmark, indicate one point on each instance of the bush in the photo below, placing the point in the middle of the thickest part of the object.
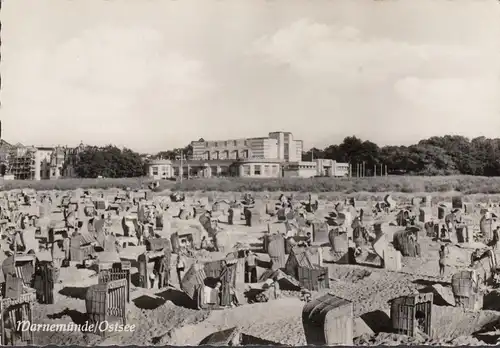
(71, 184)
(404, 184)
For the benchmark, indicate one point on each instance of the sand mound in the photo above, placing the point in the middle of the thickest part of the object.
(278, 321)
(443, 296)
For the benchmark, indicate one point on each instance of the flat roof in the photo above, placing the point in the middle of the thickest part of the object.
(258, 160)
(201, 162)
(160, 161)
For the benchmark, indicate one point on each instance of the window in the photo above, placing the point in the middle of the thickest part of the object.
(155, 170)
(257, 169)
(246, 170)
(235, 143)
(275, 169)
(216, 144)
(267, 170)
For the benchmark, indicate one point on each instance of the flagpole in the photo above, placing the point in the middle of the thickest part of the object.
(182, 166)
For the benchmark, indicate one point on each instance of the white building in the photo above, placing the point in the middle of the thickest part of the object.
(318, 167)
(276, 146)
(160, 169)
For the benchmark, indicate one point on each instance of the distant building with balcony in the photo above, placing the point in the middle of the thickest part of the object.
(278, 155)
(279, 146)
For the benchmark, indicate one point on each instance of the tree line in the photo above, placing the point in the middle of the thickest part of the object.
(439, 155)
(443, 155)
(107, 162)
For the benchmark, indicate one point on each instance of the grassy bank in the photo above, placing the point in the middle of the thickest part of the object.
(404, 184)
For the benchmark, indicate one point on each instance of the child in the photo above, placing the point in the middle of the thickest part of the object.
(152, 278)
(180, 267)
(442, 259)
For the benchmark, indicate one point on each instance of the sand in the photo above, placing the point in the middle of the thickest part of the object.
(160, 319)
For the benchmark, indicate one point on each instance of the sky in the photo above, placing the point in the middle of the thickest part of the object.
(152, 75)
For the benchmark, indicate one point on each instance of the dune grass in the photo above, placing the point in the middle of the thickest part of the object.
(404, 184)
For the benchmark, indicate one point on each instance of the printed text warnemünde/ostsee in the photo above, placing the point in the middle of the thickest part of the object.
(25, 325)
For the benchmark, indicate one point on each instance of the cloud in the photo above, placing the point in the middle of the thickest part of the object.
(116, 78)
(313, 49)
(371, 84)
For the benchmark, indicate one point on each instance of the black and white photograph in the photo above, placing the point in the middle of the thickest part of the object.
(250, 172)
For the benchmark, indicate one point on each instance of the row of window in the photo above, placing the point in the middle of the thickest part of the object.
(226, 143)
(156, 170)
(265, 170)
(302, 167)
(224, 155)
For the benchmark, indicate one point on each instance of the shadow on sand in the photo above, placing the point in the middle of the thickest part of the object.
(74, 292)
(178, 298)
(378, 321)
(491, 301)
(148, 302)
(77, 317)
(427, 282)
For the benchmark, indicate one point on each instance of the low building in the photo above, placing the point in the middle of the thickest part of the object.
(259, 168)
(203, 168)
(318, 167)
(254, 168)
(160, 169)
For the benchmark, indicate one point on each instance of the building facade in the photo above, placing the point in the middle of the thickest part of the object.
(259, 168)
(39, 162)
(254, 168)
(318, 167)
(276, 146)
(274, 156)
(160, 169)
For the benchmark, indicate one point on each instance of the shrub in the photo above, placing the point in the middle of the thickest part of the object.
(405, 184)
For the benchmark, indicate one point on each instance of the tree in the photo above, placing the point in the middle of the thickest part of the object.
(174, 154)
(109, 162)
(438, 155)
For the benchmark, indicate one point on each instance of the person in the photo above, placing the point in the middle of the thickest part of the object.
(218, 292)
(234, 297)
(474, 257)
(204, 243)
(309, 239)
(351, 251)
(444, 232)
(495, 238)
(251, 267)
(180, 267)
(276, 287)
(442, 259)
(152, 278)
(164, 271)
